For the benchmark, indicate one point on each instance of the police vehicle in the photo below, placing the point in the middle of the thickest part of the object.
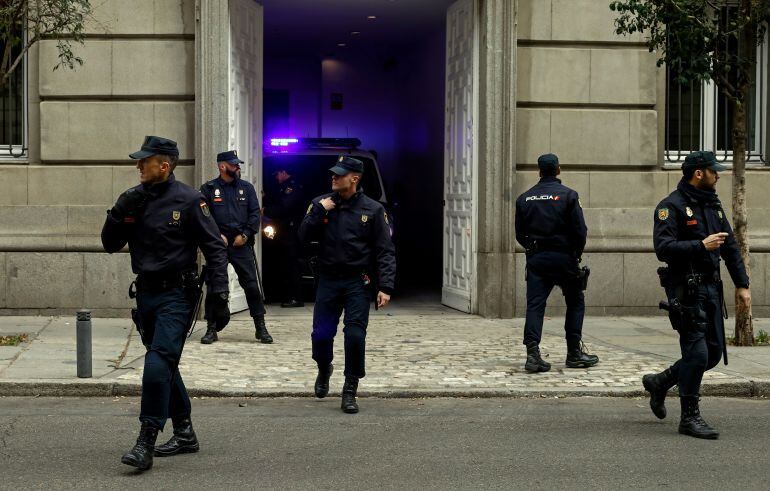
(308, 161)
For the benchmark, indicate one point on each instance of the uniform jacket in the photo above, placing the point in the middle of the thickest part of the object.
(286, 207)
(682, 220)
(550, 214)
(165, 239)
(234, 206)
(354, 237)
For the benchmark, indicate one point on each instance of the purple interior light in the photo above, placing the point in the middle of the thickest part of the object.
(282, 142)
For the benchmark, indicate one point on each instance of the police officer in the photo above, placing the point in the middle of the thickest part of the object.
(355, 244)
(164, 222)
(285, 207)
(551, 228)
(235, 208)
(691, 233)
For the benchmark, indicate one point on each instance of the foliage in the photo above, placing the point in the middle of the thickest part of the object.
(694, 36)
(25, 22)
(13, 340)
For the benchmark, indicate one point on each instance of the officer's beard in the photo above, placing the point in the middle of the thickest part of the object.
(234, 174)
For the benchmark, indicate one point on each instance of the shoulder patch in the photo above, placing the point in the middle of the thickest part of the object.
(205, 209)
(309, 209)
(386, 218)
(662, 213)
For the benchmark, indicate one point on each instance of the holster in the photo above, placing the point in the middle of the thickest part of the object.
(681, 293)
(583, 274)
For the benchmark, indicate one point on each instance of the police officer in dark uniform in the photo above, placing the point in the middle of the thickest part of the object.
(355, 244)
(691, 233)
(285, 208)
(235, 208)
(164, 222)
(551, 228)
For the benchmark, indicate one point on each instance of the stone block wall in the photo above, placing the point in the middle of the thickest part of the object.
(138, 79)
(593, 98)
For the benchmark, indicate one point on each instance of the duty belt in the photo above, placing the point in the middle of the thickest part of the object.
(155, 282)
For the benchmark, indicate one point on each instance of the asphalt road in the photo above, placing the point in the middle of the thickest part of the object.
(60, 443)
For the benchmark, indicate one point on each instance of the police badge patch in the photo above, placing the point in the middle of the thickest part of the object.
(662, 213)
(176, 215)
(688, 210)
(364, 218)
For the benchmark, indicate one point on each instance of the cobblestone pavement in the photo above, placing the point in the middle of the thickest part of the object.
(451, 354)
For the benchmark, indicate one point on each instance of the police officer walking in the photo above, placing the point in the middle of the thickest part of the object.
(285, 208)
(355, 244)
(235, 208)
(164, 222)
(551, 228)
(691, 233)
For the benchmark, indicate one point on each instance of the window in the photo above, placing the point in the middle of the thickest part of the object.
(13, 111)
(699, 116)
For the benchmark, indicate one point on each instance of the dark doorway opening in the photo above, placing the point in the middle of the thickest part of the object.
(330, 70)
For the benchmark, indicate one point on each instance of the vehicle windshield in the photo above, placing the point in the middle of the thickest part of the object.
(312, 172)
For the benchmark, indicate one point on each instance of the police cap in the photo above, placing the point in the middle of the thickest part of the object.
(702, 160)
(346, 165)
(230, 156)
(548, 162)
(156, 145)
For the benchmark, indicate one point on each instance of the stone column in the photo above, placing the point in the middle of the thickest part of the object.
(212, 55)
(497, 159)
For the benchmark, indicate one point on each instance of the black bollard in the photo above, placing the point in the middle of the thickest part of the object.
(83, 334)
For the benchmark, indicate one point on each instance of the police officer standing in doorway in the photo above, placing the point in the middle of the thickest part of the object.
(355, 244)
(285, 207)
(691, 233)
(551, 228)
(164, 222)
(235, 208)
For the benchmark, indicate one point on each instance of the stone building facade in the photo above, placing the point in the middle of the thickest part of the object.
(551, 77)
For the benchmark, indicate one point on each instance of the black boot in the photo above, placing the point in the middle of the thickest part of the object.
(349, 404)
(183, 441)
(211, 334)
(657, 384)
(578, 358)
(261, 333)
(322, 381)
(692, 423)
(141, 455)
(292, 304)
(535, 362)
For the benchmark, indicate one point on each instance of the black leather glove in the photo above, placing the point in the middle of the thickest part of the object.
(220, 311)
(129, 204)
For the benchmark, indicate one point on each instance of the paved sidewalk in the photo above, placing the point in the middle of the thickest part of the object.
(429, 351)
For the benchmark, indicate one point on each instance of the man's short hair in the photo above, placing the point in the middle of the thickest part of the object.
(549, 172)
(171, 159)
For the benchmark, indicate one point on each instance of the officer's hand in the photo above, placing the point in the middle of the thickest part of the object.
(328, 204)
(224, 239)
(239, 241)
(744, 297)
(129, 204)
(383, 299)
(220, 311)
(715, 241)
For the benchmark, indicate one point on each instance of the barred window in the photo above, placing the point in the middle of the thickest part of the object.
(699, 116)
(13, 110)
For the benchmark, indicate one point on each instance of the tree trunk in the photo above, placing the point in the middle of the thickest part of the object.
(744, 329)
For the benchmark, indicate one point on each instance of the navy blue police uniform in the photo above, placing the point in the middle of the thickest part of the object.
(356, 259)
(551, 228)
(285, 207)
(235, 208)
(692, 278)
(164, 226)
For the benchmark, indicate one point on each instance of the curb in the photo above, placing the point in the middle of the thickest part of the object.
(52, 388)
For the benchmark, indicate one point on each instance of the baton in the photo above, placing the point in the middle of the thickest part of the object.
(197, 309)
(259, 276)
